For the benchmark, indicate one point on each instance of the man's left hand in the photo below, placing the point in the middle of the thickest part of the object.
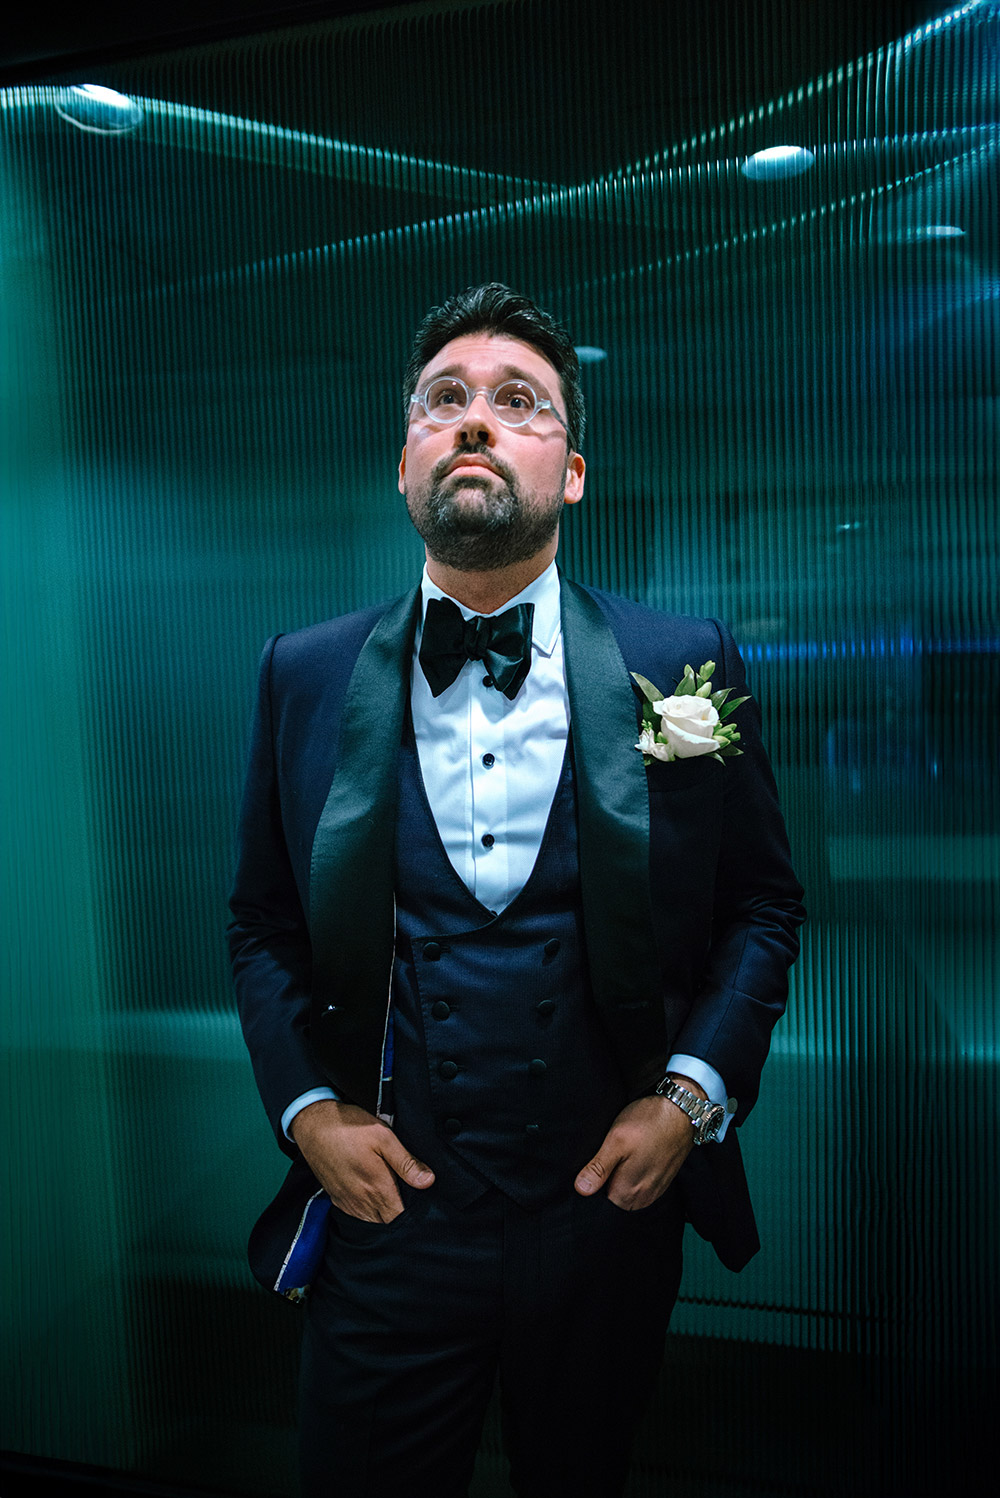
(643, 1150)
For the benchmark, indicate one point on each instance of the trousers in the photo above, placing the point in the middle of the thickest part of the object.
(410, 1323)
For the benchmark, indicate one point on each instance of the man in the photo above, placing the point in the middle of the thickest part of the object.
(498, 970)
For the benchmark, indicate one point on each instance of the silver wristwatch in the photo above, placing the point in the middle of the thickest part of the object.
(707, 1117)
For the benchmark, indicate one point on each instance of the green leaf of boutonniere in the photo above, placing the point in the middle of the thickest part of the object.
(651, 693)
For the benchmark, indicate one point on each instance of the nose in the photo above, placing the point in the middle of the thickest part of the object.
(478, 422)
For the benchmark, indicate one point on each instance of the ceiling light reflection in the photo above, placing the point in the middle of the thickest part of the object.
(776, 162)
(588, 354)
(91, 106)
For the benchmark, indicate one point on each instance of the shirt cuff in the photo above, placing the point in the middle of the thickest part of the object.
(316, 1095)
(707, 1077)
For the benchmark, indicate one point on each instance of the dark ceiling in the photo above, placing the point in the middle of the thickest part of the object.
(35, 38)
(49, 34)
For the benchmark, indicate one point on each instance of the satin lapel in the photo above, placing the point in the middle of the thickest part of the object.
(352, 918)
(613, 804)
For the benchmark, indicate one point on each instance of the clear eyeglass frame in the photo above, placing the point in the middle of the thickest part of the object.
(432, 401)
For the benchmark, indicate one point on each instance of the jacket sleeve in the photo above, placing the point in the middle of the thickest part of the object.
(268, 936)
(757, 907)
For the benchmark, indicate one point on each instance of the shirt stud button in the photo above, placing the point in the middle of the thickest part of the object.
(487, 681)
(489, 760)
(487, 839)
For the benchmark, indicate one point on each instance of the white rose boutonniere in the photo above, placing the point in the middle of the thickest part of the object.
(691, 722)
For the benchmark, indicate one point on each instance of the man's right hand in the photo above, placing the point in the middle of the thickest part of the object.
(356, 1159)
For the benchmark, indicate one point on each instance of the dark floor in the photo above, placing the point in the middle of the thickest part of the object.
(729, 1420)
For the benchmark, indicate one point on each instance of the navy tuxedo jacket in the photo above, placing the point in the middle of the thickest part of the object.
(690, 902)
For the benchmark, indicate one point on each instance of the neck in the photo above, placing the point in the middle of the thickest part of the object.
(485, 592)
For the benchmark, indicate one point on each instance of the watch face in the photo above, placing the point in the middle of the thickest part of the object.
(712, 1122)
(707, 1117)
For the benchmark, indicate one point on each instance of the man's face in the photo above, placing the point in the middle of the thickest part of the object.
(482, 495)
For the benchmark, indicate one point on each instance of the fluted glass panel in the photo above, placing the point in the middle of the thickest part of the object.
(209, 281)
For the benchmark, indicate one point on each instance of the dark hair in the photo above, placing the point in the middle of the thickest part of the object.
(497, 310)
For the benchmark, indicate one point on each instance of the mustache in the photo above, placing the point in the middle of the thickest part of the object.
(473, 450)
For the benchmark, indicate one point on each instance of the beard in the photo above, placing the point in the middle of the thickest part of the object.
(509, 526)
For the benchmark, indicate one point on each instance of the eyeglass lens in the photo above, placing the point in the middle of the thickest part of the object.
(514, 402)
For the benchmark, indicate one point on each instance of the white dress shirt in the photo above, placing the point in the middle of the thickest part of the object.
(491, 767)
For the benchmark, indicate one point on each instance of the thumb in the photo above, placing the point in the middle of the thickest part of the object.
(595, 1176)
(409, 1169)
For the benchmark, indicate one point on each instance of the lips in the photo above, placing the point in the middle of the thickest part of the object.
(471, 460)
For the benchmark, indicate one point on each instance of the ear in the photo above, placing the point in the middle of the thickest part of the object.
(576, 473)
(402, 473)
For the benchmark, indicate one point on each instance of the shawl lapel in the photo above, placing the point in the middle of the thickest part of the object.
(351, 907)
(613, 801)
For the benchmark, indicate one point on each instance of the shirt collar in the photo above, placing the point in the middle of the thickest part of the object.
(543, 593)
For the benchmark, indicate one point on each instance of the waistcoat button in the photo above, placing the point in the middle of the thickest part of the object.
(452, 1126)
(440, 1009)
(532, 1130)
(551, 946)
(545, 1006)
(432, 951)
(448, 1069)
(537, 1066)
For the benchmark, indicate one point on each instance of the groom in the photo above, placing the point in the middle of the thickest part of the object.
(507, 982)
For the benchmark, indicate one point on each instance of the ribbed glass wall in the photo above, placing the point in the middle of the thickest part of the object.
(777, 247)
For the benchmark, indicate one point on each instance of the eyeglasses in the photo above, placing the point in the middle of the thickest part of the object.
(514, 403)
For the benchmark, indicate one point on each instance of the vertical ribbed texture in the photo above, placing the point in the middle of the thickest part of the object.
(793, 426)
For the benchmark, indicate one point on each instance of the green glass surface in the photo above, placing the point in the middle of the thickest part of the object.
(793, 394)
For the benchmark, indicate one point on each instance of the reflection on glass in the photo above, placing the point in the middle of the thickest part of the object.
(91, 106)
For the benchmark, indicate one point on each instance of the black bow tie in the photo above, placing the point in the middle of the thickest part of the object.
(502, 642)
